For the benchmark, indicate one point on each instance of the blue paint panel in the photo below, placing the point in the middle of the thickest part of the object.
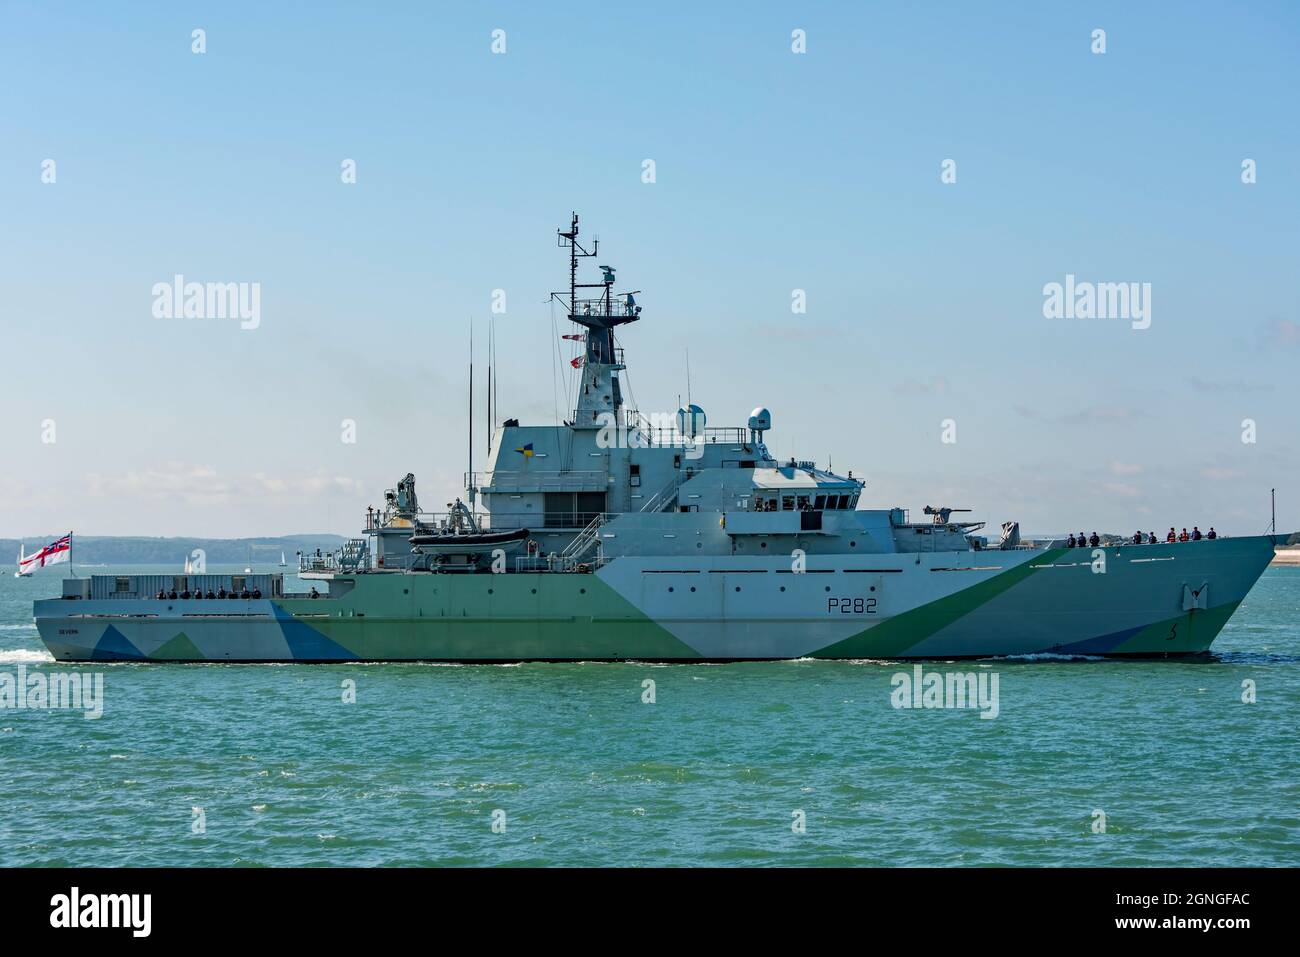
(1101, 645)
(114, 646)
(306, 643)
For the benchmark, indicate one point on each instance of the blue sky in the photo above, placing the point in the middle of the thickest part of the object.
(774, 172)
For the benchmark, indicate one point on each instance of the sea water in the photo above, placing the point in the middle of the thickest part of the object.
(1087, 762)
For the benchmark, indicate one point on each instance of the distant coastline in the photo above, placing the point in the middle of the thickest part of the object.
(130, 550)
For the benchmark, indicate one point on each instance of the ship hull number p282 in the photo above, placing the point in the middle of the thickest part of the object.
(850, 606)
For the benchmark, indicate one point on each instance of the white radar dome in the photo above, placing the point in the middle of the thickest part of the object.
(760, 420)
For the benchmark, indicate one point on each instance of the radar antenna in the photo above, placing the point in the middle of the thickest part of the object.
(599, 314)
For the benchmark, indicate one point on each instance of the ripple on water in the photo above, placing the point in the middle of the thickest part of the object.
(711, 773)
(25, 656)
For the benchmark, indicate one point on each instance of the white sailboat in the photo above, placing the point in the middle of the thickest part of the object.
(21, 561)
(283, 563)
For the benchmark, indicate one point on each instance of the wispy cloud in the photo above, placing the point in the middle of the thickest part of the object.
(1120, 489)
(1092, 415)
(204, 485)
(775, 330)
(936, 386)
(1221, 386)
(1099, 414)
(1222, 474)
(1282, 334)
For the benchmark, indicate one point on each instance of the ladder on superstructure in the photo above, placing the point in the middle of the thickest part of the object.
(583, 541)
(660, 500)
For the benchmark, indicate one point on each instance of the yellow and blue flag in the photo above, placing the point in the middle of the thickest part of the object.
(526, 451)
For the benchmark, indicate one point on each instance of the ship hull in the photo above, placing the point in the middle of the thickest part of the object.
(1153, 600)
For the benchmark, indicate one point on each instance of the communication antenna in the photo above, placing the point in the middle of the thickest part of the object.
(688, 375)
(491, 361)
(469, 476)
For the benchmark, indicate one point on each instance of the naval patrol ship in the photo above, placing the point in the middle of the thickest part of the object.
(614, 537)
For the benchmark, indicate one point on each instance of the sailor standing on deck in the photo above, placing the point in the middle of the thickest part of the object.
(1212, 533)
(1069, 542)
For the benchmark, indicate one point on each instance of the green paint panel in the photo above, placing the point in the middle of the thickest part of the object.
(488, 617)
(1189, 633)
(895, 635)
(179, 648)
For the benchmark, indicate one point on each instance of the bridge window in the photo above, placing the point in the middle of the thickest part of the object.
(572, 509)
(820, 503)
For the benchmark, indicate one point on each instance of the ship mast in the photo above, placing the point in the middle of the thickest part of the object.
(599, 394)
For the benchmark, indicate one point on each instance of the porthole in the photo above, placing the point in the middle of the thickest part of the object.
(489, 591)
(737, 588)
(853, 544)
(534, 591)
(873, 587)
(828, 587)
(406, 591)
(582, 591)
(692, 588)
(699, 544)
(762, 545)
(670, 587)
(782, 588)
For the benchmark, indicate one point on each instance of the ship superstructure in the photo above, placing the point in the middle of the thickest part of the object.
(616, 536)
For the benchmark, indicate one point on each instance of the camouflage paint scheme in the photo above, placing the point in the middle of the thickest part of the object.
(932, 605)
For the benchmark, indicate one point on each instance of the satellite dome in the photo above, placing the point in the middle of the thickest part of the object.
(760, 420)
(691, 420)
